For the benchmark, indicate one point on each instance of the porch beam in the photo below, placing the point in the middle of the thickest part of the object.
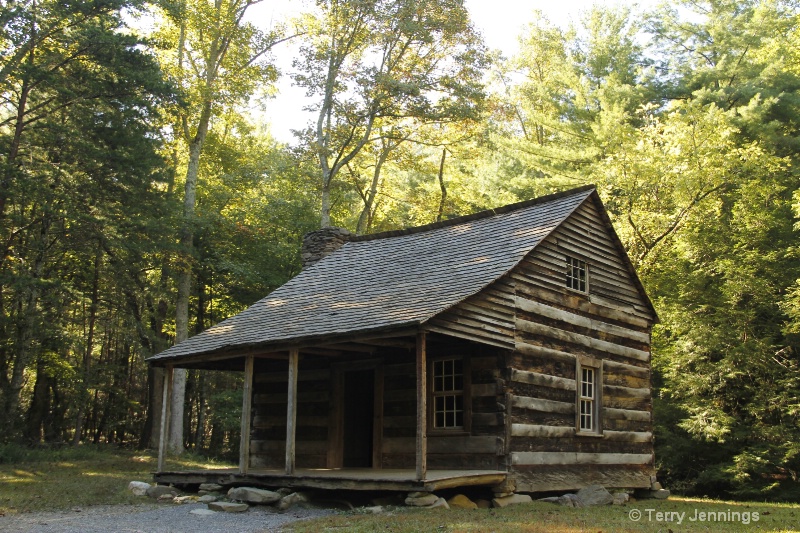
(166, 400)
(291, 410)
(422, 407)
(247, 417)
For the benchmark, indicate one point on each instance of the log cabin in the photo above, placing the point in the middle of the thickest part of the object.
(508, 348)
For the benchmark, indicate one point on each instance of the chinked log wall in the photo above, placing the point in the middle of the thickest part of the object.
(553, 325)
(482, 447)
(268, 442)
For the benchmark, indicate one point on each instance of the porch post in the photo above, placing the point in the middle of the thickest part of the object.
(247, 403)
(422, 396)
(165, 414)
(291, 410)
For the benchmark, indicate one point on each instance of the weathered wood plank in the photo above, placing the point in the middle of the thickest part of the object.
(545, 406)
(485, 389)
(544, 478)
(457, 330)
(262, 421)
(247, 403)
(626, 392)
(291, 411)
(278, 447)
(626, 414)
(628, 436)
(582, 340)
(484, 444)
(421, 443)
(532, 306)
(572, 458)
(282, 377)
(302, 397)
(532, 349)
(535, 378)
(533, 430)
(603, 309)
(624, 368)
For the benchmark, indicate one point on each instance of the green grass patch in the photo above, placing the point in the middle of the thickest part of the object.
(54, 479)
(539, 517)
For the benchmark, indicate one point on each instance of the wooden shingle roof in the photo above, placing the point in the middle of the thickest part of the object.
(389, 280)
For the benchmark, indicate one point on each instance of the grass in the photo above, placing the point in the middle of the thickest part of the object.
(47, 480)
(539, 517)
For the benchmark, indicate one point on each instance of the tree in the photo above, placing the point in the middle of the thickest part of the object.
(77, 134)
(383, 61)
(219, 60)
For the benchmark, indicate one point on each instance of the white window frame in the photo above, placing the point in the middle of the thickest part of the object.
(588, 395)
(463, 393)
(576, 274)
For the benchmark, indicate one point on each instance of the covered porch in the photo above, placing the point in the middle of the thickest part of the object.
(344, 356)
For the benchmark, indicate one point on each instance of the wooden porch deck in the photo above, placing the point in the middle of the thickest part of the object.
(337, 479)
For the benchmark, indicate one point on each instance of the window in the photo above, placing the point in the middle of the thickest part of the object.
(589, 385)
(576, 274)
(448, 394)
(587, 406)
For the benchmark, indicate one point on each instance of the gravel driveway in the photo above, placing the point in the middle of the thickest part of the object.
(152, 518)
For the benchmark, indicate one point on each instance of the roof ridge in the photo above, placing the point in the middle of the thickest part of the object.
(473, 216)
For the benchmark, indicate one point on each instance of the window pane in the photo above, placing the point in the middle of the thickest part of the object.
(439, 420)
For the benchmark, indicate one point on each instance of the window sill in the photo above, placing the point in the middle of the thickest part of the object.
(455, 432)
(588, 434)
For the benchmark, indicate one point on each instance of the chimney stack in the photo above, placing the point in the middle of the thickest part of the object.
(322, 242)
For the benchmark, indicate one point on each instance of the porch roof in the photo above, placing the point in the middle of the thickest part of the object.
(389, 280)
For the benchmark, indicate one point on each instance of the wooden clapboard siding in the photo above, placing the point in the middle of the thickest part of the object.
(487, 317)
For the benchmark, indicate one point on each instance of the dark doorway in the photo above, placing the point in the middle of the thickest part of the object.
(359, 401)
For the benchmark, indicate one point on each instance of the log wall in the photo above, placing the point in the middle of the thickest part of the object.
(268, 434)
(553, 327)
(482, 446)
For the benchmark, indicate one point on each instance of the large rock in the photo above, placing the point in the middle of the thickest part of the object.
(569, 500)
(207, 498)
(440, 502)
(294, 498)
(621, 498)
(253, 495)
(459, 501)
(228, 507)
(514, 499)
(157, 491)
(138, 488)
(594, 495)
(210, 487)
(421, 499)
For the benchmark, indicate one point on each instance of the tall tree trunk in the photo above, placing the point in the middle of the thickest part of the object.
(365, 219)
(87, 354)
(40, 405)
(185, 279)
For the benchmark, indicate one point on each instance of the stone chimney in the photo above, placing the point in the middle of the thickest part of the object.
(317, 244)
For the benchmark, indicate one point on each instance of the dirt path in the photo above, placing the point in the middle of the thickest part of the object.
(152, 518)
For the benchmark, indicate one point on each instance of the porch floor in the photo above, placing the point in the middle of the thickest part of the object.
(337, 479)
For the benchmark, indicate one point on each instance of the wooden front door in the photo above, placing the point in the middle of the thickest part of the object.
(358, 428)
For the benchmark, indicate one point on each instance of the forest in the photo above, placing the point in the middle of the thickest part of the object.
(143, 198)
